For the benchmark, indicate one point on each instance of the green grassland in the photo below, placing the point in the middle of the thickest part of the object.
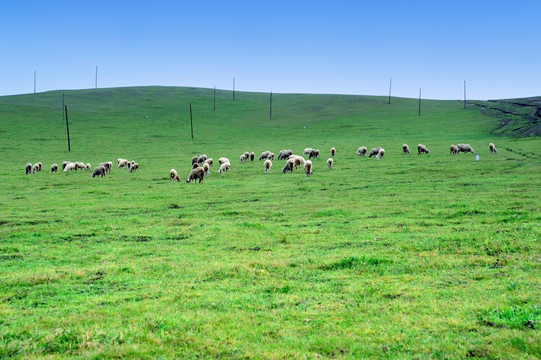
(409, 257)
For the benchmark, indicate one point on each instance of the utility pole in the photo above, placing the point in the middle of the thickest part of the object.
(464, 94)
(419, 101)
(270, 107)
(191, 121)
(67, 127)
(390, 84)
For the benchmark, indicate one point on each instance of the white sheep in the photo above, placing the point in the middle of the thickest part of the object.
(173, 175)
(134, 167)
(405, 149)
(290, 163)
(308, 167)
(224, 167)
(267, 165)
(122, 163)
(223, 160)
(28, 168)
(329, 163)
(197, 173)
(70, 167)
(453, 149)
(243, 158)
(264, 155)
(270, 156)
(99, 171)
(201, 159)
(492, 148)
(35, 168)
(422, 149)
(87, 166)
(361, 151)
(54, 168)
(464, 148)
(381, 152)
(209, 161)
(206, 168)
(374, 151)
(333, 151)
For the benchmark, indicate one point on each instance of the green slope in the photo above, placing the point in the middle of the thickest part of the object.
(431, 256)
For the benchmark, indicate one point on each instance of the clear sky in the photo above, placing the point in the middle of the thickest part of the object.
(340, 47)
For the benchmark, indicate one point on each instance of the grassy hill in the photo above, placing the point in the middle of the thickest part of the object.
(431, 256)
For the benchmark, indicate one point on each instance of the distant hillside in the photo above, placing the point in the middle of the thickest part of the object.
(520, 117)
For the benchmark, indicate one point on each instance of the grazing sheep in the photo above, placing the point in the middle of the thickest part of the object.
(195, 165)
(297, 160)
(173, 175)
(492, 148)
(329, 163)
(308, 167)
(64, 163)
(201, 159)
(107, 165)
(209, 161)
(381, 152)
(311, 154)
(79, 165)
(405, 149)
(247, 154)
(134, 167)
(119, 160)
(122, 163)
(453, 149)
(252, 156)
(362, 151)
(70, 167)
(464, 148)
(284, 154)
(374, 151)
(290, 163)
(264, 155)
(197, 173)
(206, 168)
(39, 166)
(54, 168)
(270, 156)
(224, 167)
(223, 160)
(422, 149)
(267, 165)
(35, 168)
(194, 159)
(87, 166)
(243, 158)
(28, 168)
(317, 153)
(98, 171)
(307, 151)
(333, 151)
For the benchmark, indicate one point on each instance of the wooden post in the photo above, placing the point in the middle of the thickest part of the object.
(270, 107)
(191, 121)
(96, 77)
(34, 81)
(419, 101)
(464, 94)
(214, 107)
(67, 127)
(390, 84)
(233, 88)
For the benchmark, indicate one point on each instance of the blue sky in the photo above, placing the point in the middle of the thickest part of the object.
(342, 47)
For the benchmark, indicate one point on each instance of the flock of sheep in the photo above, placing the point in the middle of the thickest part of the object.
(100, 170)
(201, 164)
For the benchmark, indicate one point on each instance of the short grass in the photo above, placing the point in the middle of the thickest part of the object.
(408, 257)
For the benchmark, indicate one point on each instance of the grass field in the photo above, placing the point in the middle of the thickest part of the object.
(409, 257)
